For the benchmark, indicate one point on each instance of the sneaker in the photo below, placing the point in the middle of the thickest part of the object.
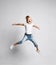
(11, 47)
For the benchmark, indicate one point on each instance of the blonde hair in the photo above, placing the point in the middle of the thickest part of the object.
(27, 18)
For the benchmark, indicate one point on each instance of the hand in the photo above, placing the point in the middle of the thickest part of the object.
(38, 28)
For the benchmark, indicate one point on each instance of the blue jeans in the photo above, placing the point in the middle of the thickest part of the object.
(28, 37)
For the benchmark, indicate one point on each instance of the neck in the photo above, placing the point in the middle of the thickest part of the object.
(29, 22)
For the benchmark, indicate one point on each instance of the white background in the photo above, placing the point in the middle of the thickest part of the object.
(43, 13)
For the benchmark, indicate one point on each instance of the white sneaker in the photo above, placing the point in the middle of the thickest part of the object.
(11, 47)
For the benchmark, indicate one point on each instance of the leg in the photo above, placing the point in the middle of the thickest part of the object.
(37, 49)
(35, 44)
(20, 42)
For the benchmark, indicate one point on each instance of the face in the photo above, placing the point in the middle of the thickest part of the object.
(29, 20)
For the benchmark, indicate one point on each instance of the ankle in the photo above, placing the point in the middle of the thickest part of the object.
(15, 44)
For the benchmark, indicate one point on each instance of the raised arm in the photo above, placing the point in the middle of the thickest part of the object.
(36, 27)
(19, 24)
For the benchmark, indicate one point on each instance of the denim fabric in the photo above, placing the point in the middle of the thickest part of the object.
(28, 37)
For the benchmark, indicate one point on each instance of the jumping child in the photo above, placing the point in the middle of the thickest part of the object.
(28, 33)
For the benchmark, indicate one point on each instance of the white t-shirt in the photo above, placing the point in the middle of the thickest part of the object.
(28, 28)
